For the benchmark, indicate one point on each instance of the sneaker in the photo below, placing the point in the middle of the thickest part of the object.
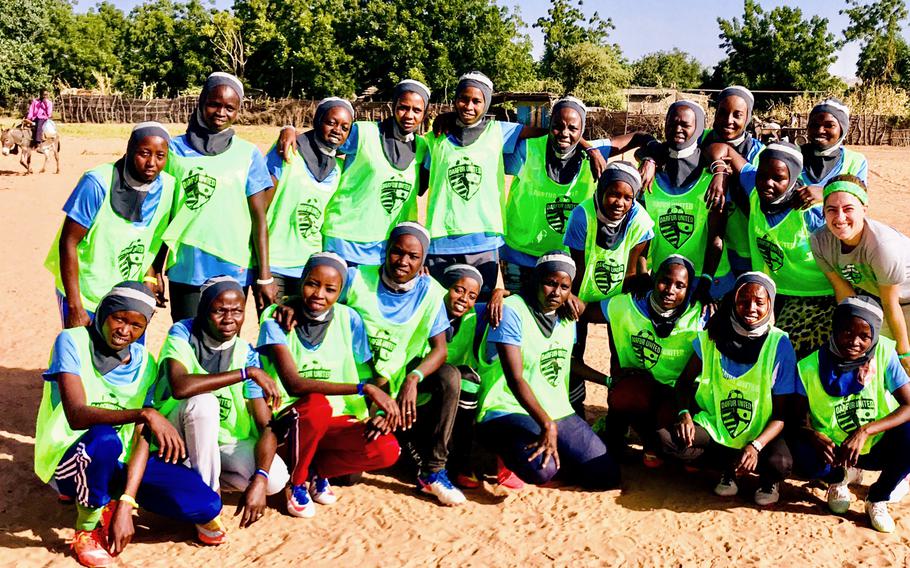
(213, 532)
(65, 499)
(879, 516)
(322, 492)
(506, 478)
(901, 491)
(765, 496)
(438, 484)
(839, 495)
(299, 502)
(651, 460)
(89, 549)
(467, 480)
(726, 487)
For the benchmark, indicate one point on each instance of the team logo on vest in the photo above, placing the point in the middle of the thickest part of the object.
(130, 260)
(771, 253)
(465, 177)
(676, 225)
(314, 370)
(854, 412)
(608, 273)
(381, 344)
(646, 348)
(736, 413)
(110, 402)
(558, 212)
(224, 406)
(308, 217)
(392, 194)
(851, 273)
(199, 188)
(552, 363)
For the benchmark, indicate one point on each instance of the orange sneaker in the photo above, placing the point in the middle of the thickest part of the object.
(213, 532)
(90, 550)
(467, 480)
(506, 478)
(652, 460)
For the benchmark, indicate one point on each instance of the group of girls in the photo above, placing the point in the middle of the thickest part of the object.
(378, 334)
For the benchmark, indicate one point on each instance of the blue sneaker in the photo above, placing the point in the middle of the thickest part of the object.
(299, 502)
(438, 485)
(321, 491)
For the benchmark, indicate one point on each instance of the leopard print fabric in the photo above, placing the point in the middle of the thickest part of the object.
(807, 320)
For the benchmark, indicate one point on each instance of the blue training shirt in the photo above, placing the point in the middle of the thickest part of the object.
(784, 375)
(85, 201)
(814, 216)
(577, 228)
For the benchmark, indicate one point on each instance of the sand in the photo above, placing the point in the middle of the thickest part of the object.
(665, 517)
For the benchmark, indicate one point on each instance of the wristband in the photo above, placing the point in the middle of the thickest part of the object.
(757, 445)
(263, 473)
(360, 387)
(129, 500)
(904, 355)
(683, 411)
(608, 381)
(150, 280)
(265, 281)
(418, 373)
(243, 375)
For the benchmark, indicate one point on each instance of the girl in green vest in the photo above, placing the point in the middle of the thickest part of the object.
(322, 364)
(91, 436)
(115, 218)
(212, 389)
(676, 203)
(551, 179)
(857, 399)
(378, 188)
(736, 384)
(825, 156)
(219, 225)
(651, 339)
(524, 414)
(608, 236)
(467, 181)
(303, 188)
(780, 227)
(855, 252)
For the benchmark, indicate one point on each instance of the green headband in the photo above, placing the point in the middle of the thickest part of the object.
(853, 189)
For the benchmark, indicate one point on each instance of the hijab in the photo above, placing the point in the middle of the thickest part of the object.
(563, 166)
(791, 156)
(734, 338)
(213, 355)
(665, 321)
(128, 193)
(610, 232)
(467, 134)
(684, 159)
(400, 147)
(312, 326)
(841, 376)
(553, 261)
(317, 152)
(742, 143)
(124, 297)
(203, 139)
(819, 163)
(421, 234)
(454, 274)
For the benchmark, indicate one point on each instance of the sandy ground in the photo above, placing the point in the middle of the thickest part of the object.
(665, 517)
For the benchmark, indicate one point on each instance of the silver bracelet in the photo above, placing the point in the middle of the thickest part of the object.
(757, 445)
(266, 281)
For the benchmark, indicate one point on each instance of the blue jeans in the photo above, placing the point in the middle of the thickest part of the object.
(91, 468)
(583, 456)
(891, 456)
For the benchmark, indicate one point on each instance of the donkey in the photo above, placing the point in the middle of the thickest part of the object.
(19, 140)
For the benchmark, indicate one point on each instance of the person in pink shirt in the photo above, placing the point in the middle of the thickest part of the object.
(39, 112)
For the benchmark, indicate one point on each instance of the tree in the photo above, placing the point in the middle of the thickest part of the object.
(776, 50)
(565, 26)
(668, 69)
(593, 73)
(884, 53)
(23, 71)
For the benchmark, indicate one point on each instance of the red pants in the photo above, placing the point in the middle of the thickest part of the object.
(335, 445)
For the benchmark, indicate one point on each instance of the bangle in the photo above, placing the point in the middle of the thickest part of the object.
(757, 445)
(265, 281)
(243, 375)
(903, 355)
(418, 373)
(262, 472)
(150, 280)
(129, 500)
(360, 387)
(608, 381)
(683, 411)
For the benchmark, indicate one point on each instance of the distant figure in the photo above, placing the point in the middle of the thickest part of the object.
(39, 112)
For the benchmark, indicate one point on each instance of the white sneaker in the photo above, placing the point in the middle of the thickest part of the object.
(726, 487)
(321, 491)
(438, 485)
(769, 496)
(900, 491)
(879, 516)
(839, 495)
(299, 502)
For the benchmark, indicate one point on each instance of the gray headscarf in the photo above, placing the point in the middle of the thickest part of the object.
(563, 166)
(456, 272)
(312, 327)
(735, 338)
(684, 159)
(819, 163)
(417, 231)
(127, 296)
(868, 310)
(400, 147)
(790, 155)
(743, 142)
(553, 261)
(318, 153)
(464, 133)
(203, 139)
(214, 356)
(610, 232)
(128, 193)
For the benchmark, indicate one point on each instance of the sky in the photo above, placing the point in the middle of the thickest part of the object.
(644, 26)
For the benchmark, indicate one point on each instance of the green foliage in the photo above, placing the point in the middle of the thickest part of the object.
(668, 69)
(565, 26)
(593, 73)
(884, 54)
(23, 25)
(776, 50)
